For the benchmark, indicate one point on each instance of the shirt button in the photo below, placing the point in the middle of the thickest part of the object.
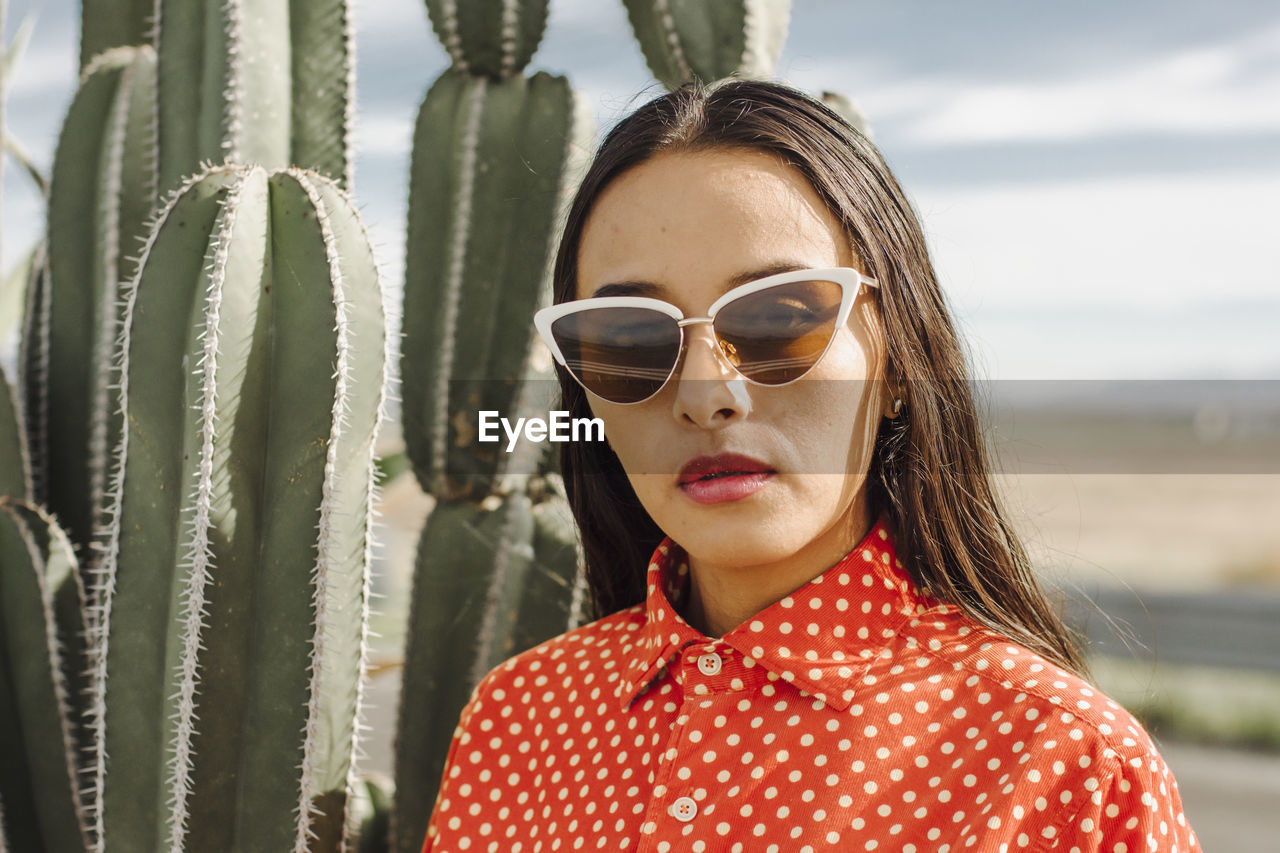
(683, 809)
(709, 664)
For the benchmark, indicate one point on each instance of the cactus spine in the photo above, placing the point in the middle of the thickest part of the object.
(234, 609)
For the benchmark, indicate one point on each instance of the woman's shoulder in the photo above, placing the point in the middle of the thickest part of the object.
(1059, 724)
(1074, 748)
(988, 675)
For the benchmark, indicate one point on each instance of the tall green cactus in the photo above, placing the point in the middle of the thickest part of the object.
(100, 197)
(41, 648)
(490, 580)
(496, 155)
(234, 586)
(492, 161)
(709, 39)
(268, 82)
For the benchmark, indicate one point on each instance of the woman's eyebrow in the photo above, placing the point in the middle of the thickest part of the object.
(658, 291)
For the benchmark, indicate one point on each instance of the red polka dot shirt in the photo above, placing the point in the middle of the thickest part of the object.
(854, 714)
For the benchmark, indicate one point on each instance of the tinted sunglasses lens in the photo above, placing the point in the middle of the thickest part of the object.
(776, 335)
(621, 354)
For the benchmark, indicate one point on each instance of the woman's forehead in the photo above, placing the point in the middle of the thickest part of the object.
(705, 215)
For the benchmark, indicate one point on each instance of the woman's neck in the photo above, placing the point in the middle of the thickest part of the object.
(722, 597)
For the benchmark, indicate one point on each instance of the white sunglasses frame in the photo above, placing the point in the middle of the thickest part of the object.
(849, 279)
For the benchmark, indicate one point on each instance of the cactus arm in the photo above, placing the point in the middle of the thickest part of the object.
(489, 38)
(105, 24)
(99, 199)
(448, 126)
(15, 463)
(69, 603)
(554, 128)
(178, 38)
(709, 39)
(499, 153)
(140, 536)
(324, 92)
(339, 644)
(258, 93)
(220, 536)
(543, 602)
(464, 553)
(124, 205)
(765, 30)
(43, 794)
(75, 292)
(33, 372)
(253, 705)
(443, 15)
(351, 490)
(258, 82)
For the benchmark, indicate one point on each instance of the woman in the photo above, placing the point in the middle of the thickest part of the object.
(819, 630)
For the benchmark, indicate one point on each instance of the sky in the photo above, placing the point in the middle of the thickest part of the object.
(1099, 182)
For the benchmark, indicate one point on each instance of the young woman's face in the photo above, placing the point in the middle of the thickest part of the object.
(691, 223)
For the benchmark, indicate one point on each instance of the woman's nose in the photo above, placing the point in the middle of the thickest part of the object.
(709, 391)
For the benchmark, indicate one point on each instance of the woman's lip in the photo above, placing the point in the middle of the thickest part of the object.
(700, 466)
(730, 488)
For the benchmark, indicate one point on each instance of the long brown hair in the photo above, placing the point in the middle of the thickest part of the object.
(929, 470)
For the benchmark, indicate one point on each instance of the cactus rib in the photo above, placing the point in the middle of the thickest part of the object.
(468, 149)
(34, 704)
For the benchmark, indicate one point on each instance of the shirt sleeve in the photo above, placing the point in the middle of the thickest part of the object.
(460, 733)
(1135, 809)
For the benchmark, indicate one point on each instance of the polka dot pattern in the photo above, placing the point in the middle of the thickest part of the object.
(855, 714)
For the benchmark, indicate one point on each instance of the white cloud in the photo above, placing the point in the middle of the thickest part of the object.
(1132, 240)
(1202, 90)
(384, 133)
(1115, 278)
(1231, 87)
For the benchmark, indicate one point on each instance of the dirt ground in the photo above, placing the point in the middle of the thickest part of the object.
(1174, 532)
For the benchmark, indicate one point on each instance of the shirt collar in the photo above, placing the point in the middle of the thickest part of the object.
(858, 605)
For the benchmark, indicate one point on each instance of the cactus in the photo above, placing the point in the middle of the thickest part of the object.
(105, 24)
(489, 38)
(15, 467)
(709, 39)
(265, 82)
(40, 643)
(478, 598)
(101, 194)
(496, 155)
(492, 162)
(234, 587)
(33, 372)
(848, 110)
